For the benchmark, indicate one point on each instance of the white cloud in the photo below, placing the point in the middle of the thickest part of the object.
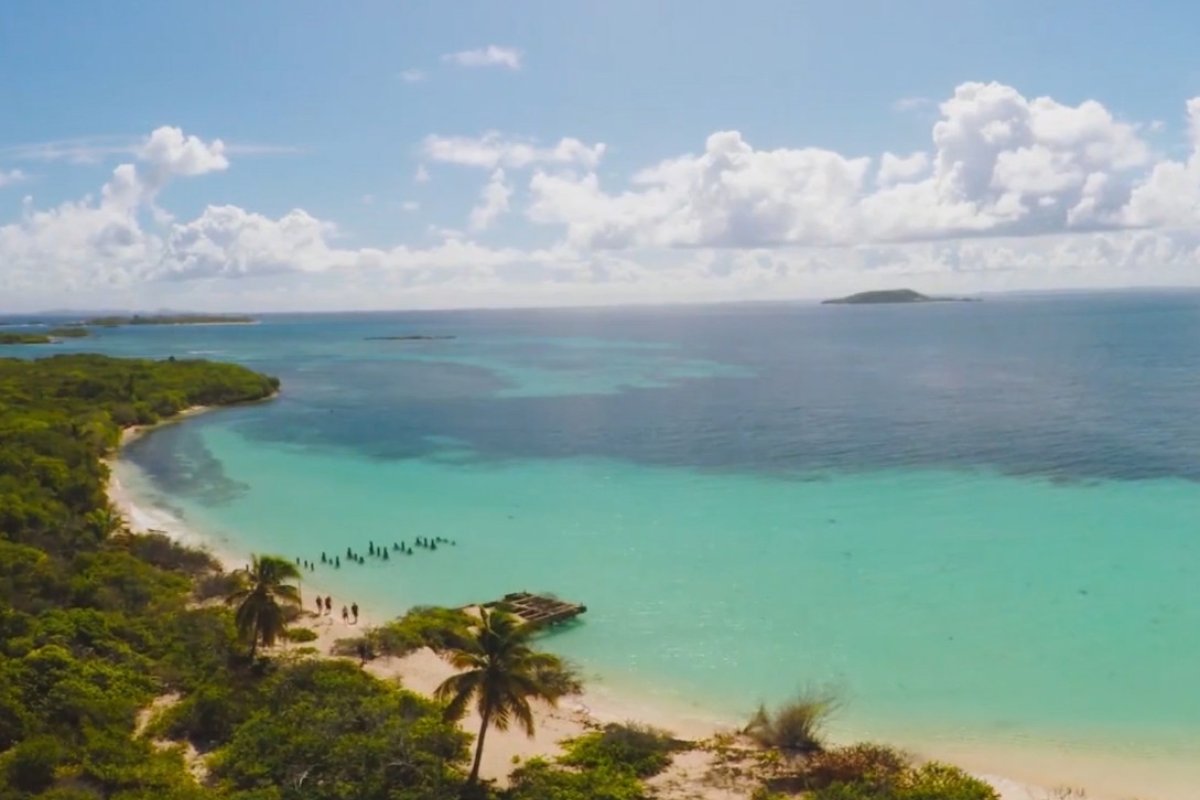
(412, 75)
(1012, 193)
(1000, 165)
(912, 104)
(12, 176)
(729, 196)
(410, 206)
(1171, 195)
(493, 149)
(894, 169)
(493, 202)
(421, 175)
(170, 153)
(490, 56)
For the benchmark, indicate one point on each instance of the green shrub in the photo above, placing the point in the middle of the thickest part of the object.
(796, 726)
(214, 585)
(857, 763)
(423, 626)
(541, 780)
(643, 750)
(32, 764)
(932, 781)
(300, 635)
(166, 553)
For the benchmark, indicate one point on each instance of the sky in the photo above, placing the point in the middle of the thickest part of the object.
(307, 155)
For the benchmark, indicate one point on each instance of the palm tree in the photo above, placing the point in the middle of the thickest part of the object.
(262, 593)
(502, 673)
(106, 521)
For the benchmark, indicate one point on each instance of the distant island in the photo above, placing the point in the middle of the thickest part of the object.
(895, 296)
(171, 319)
(412, 337)
(44, 337)
(24, 338)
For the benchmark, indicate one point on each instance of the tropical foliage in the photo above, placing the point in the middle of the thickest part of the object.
(423, 626)
(642, 750)
(501, 673)
(262, 597)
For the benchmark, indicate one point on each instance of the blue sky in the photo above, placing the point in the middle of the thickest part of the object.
(590, 152)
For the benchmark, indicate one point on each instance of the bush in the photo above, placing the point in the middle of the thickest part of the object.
(300, 635)
(164, 552)
(796, 726)
(216, 584)
(422, 626)
(932, 781)
(32, 763)
(935, 781)
(541, 780)
(860, 764)
(643, 750)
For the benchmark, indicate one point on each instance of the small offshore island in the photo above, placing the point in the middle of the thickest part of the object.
(51, 336)
(171, 319)
(881, 296)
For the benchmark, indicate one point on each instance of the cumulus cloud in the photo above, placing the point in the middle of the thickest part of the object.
(1171, 195)
(1000, 165)
(894, 169)
(493, 202)
(168, 153)
(1012, 192)
(489, 56)
(493, 149)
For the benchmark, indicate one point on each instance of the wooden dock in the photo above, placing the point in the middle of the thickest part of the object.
(537, 609)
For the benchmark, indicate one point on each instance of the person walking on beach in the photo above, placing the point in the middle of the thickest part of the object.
(354, 611)
(328, 604)
(320, 605)
(345, 615)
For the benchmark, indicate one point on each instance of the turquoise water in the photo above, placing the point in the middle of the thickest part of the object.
(977, 522)
(948, 602)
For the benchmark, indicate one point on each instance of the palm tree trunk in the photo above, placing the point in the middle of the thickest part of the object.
(487, 713)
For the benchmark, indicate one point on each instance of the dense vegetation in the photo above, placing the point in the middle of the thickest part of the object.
(168, 319)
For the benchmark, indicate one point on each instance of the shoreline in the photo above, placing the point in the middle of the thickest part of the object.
(1026, 770)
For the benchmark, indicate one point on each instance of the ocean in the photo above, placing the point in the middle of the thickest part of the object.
(976, 522)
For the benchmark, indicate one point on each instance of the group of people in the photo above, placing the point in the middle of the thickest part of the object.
(325, 606)
(382, 552)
